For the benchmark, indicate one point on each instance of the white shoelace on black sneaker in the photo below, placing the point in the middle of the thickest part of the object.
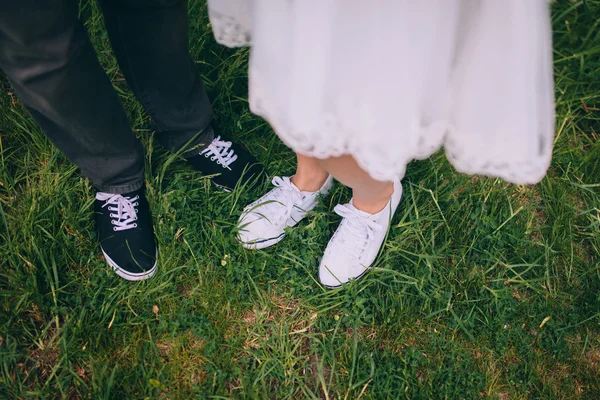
(126, 213)
(220, 151)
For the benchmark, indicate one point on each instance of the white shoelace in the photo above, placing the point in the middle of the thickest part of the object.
(358, 229)
(220, 151)
(126, 213)
(284, 194)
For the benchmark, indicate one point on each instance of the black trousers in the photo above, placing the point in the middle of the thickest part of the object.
(46, 54)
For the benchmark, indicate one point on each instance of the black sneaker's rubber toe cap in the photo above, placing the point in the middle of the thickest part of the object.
(130, 260)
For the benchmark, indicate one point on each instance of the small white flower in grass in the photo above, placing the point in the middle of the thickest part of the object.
(225, 259)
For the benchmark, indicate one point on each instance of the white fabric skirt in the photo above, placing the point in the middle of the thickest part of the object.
(390, 81)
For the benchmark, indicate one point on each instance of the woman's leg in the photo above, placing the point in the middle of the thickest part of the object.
(310, 174)
(368, 194)
(355, 244)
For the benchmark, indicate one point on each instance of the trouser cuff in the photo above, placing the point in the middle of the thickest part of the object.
(121, 189)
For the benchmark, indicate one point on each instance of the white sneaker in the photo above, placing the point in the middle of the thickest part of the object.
(263, 222)
(356, 242)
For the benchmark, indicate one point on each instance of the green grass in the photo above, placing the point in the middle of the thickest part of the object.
(484, 290)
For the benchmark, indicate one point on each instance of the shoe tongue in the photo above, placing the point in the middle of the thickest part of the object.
(295, 193)
(104, 196)
(295, 187)
(362, 214)
(300, 192)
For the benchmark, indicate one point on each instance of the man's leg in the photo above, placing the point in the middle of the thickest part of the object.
(150, 40)
(48, 58)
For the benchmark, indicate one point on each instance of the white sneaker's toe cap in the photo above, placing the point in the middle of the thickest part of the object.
(257, 232)
(328, 279)
(337, 269)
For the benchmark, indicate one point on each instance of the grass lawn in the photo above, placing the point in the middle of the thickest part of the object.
(484, 290)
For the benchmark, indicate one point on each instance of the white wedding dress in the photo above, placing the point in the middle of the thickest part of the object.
(389, 81)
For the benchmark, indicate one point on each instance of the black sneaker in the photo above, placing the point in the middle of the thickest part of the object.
(230, 164)
(126, 234)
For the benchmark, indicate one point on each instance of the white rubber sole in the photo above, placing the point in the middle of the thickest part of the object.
(131, 276)
(262, 243)
(348, 281)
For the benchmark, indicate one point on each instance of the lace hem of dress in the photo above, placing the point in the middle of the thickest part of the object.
(228, 30)
(331, 137)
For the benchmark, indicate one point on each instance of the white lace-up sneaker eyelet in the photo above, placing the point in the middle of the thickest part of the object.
(263, 222)
(355, 244)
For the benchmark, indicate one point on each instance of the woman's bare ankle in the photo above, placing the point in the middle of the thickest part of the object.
(371, 204)
(309, 182)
